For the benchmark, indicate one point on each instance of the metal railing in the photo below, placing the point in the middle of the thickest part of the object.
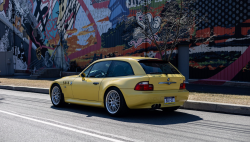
(36, 65)
(40, 71)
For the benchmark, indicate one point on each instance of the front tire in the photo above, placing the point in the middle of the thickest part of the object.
(115, 103)
(57, 97)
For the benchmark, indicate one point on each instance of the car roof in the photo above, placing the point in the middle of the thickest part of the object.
(128, 58)
(131, 59)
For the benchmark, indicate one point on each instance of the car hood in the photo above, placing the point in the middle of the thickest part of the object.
(67, 78)
(72, 76)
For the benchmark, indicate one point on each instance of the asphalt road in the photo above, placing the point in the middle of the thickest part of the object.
(31, 117)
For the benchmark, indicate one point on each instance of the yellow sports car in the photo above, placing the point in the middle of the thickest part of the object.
(123, 83)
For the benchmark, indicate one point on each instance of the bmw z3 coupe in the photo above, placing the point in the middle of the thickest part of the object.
(122, 83)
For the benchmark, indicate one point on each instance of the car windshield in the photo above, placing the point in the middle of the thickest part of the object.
(157, 67)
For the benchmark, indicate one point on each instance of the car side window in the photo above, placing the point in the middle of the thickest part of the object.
(120, 68)
(87, 70)
(99, 69)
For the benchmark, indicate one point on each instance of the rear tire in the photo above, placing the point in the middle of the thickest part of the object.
(170, 109)
(57, 97)
(114, 102)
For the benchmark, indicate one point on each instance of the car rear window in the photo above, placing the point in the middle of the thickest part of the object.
(157, 67)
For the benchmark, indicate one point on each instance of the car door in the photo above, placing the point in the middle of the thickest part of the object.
(88, 88)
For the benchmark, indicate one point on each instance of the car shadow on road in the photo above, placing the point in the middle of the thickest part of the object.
(155, 117)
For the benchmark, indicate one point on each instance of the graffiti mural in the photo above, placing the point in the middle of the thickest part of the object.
(119, 11)
(4, 42)
(137, 3)
(19, 58)
(138, 36)
(229, 21)
(59, 32)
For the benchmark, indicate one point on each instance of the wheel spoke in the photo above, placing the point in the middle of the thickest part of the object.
(112, 101)
(112, 96)
(56, 95)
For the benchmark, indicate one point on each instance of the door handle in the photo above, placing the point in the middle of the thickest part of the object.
(96, 83)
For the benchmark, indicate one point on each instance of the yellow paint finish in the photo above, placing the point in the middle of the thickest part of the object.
(177, 79)
(145, 99)
(84, 89)
(67, 92)
(84, 92)
(84, 102)
(125, 82)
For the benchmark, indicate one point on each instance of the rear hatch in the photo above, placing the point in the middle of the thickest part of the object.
(163, 75)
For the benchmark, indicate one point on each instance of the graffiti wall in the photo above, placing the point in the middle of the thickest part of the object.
(227, 57)
(81, 31)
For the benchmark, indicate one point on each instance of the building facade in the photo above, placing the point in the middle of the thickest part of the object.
(54, 33)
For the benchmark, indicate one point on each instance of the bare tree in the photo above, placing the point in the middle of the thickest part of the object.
(177, 22)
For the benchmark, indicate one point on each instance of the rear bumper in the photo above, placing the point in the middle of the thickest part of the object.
(145, 99)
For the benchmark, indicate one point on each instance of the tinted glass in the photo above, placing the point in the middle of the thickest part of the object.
(87, 71)
(99, 69)
(157, 67)
(120, 68)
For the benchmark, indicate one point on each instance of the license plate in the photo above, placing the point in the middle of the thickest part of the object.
(168, 100)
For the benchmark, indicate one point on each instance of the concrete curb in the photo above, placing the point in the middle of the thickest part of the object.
(217, 107)
(219, 83)
(195, 105)
(26, 89)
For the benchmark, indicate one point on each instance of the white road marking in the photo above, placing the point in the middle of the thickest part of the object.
(94, 131)
(63, 127)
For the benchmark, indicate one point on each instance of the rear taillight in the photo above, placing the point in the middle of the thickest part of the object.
(144, 86)
(183, 85)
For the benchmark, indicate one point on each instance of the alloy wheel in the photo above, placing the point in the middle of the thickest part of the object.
(113, 102)
(56, 95)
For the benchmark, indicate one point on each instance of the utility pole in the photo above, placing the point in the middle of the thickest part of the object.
(61, 50)
(13, 22)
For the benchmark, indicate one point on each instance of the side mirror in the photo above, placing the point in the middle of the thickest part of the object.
(83, 75)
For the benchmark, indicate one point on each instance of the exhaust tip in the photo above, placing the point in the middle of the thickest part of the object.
(157, 105)
(153, 106)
